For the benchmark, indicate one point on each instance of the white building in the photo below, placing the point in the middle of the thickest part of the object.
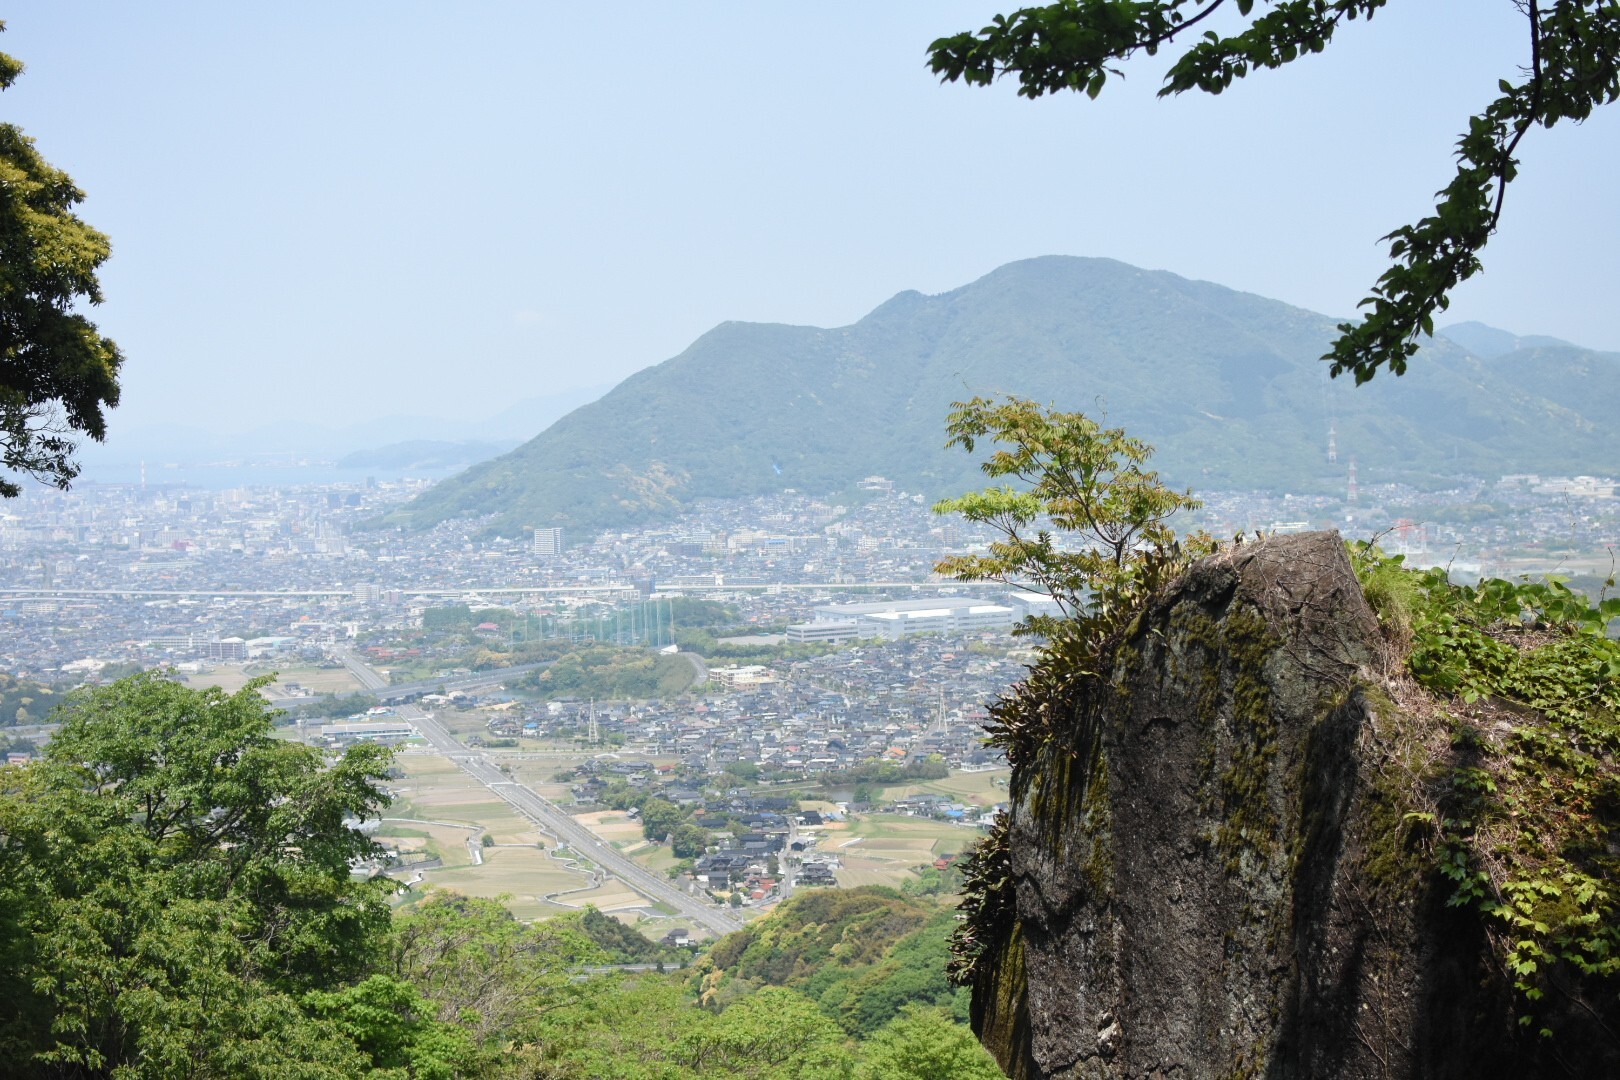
(827, 631)
(894, 619)
(548, 541)
(741, 675)
(383, 731)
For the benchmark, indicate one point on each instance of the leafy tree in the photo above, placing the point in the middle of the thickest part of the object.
(771, 1033)
(447, 617)
(925, 1044)
(608, 672)
(617, 942)
(56, 370)
(691, 611)
(24, 701)
(624, 1035)
(1077, 477)
(1574, 67)
(689, 841)
(172, 879)
(392, 1023)
(338, 705)
(659, 817)
(481, 969)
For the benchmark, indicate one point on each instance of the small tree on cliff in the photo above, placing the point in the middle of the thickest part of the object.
(1086, 523)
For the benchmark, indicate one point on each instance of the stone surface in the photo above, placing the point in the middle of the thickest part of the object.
(1211, 869)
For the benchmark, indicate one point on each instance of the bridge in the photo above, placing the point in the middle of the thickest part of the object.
(378, 687)
(445, 684)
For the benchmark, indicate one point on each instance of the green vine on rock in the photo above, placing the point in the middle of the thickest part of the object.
(1528, 824)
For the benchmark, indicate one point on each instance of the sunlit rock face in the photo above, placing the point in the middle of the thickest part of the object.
(1210, 866)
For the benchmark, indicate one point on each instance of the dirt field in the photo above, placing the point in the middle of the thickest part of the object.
(612, 826)
(524, 875)
(231, 678)
(973, 789)
(436, 797)
(882, 849)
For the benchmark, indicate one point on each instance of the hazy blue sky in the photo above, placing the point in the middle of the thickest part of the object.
(346, 211)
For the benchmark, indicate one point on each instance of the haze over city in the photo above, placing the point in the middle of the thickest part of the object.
(328, 216)
(764, 543)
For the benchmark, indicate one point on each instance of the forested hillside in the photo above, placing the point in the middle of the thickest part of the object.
(176, 900)
(751, 408)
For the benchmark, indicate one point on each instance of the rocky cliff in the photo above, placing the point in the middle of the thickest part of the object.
(1217, 862)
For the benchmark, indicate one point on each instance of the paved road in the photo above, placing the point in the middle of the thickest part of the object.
(502, 590)
(368, 678)
(560, 824)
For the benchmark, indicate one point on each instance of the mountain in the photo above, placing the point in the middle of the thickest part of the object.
(1227, 385)
(1488, 342)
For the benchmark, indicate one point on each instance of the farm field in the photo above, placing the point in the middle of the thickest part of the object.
(232, 677)
(447, 842)
(537, 775)
(613, 827)
(523, 876)
(435, 798)
(882, 849)
(975, 789)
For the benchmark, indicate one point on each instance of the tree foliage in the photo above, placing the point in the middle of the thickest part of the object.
(1086, 523)
(1522, 821)
(606, 671)
(57, 372)
(1573, 66)
(173, 878)
(176, 900)
(926, 1044)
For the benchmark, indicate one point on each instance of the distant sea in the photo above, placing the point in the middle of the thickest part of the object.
(222, 476)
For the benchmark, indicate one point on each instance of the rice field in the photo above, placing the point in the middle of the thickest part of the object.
(883, 849)
(438, 808)
(522, 877)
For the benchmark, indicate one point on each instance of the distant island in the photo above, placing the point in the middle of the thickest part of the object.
(425, 454)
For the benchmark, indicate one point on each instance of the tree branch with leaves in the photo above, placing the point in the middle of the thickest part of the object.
(1573, 67)
(57, 372)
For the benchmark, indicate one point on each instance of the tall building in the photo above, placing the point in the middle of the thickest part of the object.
(548, 541)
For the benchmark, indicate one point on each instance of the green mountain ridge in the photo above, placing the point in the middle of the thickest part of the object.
(1227, 385)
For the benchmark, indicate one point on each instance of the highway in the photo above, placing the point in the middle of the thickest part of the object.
(559, 823)
(471, 590)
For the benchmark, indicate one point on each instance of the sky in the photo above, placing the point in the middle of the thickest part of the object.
(336, 214)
